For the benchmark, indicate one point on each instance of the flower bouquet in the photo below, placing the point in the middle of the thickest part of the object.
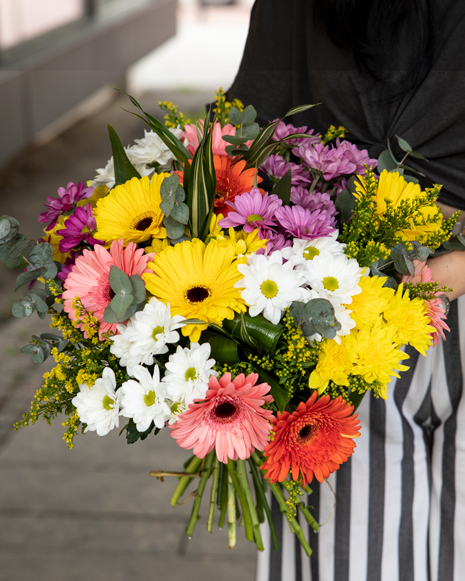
(242, 287)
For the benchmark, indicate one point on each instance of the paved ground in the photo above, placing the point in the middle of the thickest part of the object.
(92, 512)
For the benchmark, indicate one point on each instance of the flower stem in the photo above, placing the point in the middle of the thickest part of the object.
(223, 494)
(216, 474)
(242, 500)
(231, 512)
(242, 475)
(184, 481)
(260, 492)
(198, 495)
(308, 517)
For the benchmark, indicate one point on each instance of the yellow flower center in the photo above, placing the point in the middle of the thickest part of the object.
(254, 218)
(156, 332)
(330, 283)
(310, 253)
(197, 294)
(149, 398)
(191, 374)
(175, 408)
(143, 221)
(108, 402)
(269, 289)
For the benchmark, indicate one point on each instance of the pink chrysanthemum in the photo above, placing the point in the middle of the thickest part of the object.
(302, 223)
(327, 161)
(88, 279)
(283, 130)
(252, 210)
(314, 201)
(359, 157)
(191, 133)
(276, 167)
(434, 307)
(230, 419)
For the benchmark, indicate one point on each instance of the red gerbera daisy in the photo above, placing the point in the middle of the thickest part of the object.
(314, 440)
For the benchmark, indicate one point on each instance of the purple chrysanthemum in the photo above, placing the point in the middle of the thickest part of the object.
(252, 210)
(276, 167)
(302, 223)
(314, 201)
(359, 157)
(284, 129)
(275, 241)
(77, 228)
(67, 199)
(68, 266)
(329, 162)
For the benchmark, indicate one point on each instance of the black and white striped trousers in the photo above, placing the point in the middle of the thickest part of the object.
(400, 510)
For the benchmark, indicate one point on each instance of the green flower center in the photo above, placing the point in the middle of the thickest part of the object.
(108, 402)
(269, 289)
(254, 218)
(175, 408)
(330, 283)
(156, 332)
(310, 253)
(191, 374)
(149, 398)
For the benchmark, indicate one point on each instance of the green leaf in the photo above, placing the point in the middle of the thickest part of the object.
(283, 188)
(235, 139)
(223, 349)
(124, 170)
(400, 263)
(38, 356)
(260, 329)
(386, 162)
(182, 238)
(50, 337)
(356, 398)
(42, 254)
(40, 305)
(138, 288)
(180, 213)
(280, 396)
(168, 190)
(260, 141)
(5, 227)
(16, 254)
(250, 132)
(120, 303)
(174, 229)
(345, 204)
(316, 316)
(28, 276)
(404, 145)
(411, 179)
(299, 109)
(22, 308)
(7, 233)
(133, 434)
(119, 281)
(258, 158)
(417, 156)
(28, 349)
(247, 117)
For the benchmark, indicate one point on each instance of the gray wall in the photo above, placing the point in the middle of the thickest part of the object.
(42, 87)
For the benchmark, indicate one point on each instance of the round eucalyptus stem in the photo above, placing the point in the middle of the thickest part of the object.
(216, 474)
(231, 513)
(184, 481)
(243, 501)
(198, 495)
(242, 475)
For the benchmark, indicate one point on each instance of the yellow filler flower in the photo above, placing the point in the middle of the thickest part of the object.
(198, 281)
(131, 211)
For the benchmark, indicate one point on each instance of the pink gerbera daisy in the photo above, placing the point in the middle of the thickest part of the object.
(230, 419)
(88, 279)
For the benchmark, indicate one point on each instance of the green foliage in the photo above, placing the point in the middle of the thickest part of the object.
(133, 434)
(223, 107)
(283, 188)
(333, 133)
(172, 118)
(246, 129)
(124, 170)
(173, 207)
(315, 316)
(130, 296)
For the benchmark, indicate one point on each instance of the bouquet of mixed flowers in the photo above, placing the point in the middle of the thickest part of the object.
(242, 287)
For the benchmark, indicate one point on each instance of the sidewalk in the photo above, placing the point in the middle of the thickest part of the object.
(92, 512)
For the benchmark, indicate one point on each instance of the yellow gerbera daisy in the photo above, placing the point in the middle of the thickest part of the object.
(410, 319)
(243, 242)
(157, 245)
(197, 279)
(131, 211)
(333, 364)
(374, 353)
(367, 306)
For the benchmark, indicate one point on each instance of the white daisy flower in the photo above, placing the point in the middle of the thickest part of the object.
(270, 286)
(106, 175)
(152, 149)
(334, 276)
(150, 330)
(98, 406)
(144, 400)
(176, 408)
(120, 348)
(187, 373)
(303, 251)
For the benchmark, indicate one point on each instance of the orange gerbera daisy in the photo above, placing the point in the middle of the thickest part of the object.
(231, 181)
(314, 440)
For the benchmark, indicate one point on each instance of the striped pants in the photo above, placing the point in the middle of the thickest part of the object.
(400, 510)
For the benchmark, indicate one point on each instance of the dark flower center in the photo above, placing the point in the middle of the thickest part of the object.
(225, 411)
(144, 224)
(197, 294)
(305, 433)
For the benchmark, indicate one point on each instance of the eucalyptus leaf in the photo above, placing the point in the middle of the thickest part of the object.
(315, 316)
(180, 194)
(182, 238)
(41, 255)
(235, 139)
(28, 276)
(61, 345)
(120, 303)
(386, 162)
(40, 305)
(283, 188)
(137, 288)
(180, 213)
(404, 145)
(234, 116)
(174, 229)
(50, 337)
(5, 227)
(38, 356)
(22, 308)
(399, 262)
(29, 348)
(16, 254)
(250, 132)
(411, 179)
(11, 231)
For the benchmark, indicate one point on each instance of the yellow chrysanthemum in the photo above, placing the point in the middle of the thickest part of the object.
(243, 242)
(215, 230)
(197, 279)
(410, 319)
(131, 211)
(367, 306)
(374, 353)
(99, 192)
(393, 187)
(333, 364)
(53, 238)
(157, 245)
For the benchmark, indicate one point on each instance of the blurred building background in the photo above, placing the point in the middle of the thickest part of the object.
(94, 512)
